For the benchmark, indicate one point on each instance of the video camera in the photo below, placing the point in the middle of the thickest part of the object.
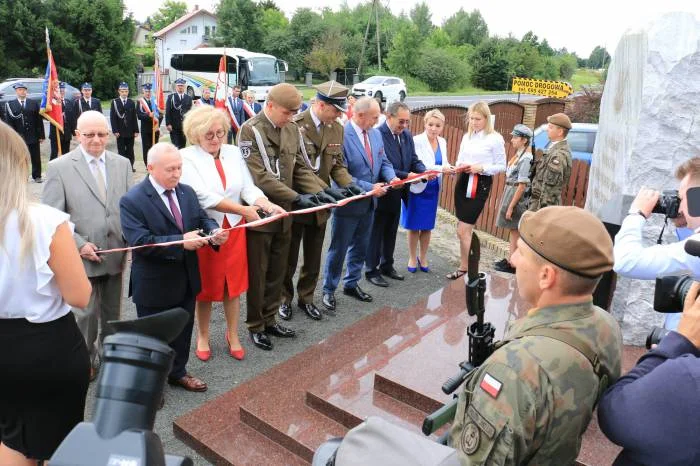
(129, 391)
(668, 204)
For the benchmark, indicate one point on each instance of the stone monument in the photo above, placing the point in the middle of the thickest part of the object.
(649, 124)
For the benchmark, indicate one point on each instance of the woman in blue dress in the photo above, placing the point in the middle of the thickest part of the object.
(419, 208)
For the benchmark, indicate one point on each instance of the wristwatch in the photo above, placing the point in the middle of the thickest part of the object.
(634, 211)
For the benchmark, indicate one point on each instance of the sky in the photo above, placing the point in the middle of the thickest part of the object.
(578, 26)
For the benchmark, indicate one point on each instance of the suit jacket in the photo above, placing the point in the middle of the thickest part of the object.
(404, 160)
(363, 174)
(144, 112)
(427, 156)
(160, 276)
(237, 109)
(175, 109)
(122, 117)
(256, 108)
(80, 105)
(27, 122)
(71, 187)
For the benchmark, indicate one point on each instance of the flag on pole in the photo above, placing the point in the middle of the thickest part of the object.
(51, 106)
(157, 97)
(220, 92)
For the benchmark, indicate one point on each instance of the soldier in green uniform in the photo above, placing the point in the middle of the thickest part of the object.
(322, 152)
(532, 399)
(270, 145)
(553, 168)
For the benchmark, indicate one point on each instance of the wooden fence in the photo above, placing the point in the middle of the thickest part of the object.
(572, 194)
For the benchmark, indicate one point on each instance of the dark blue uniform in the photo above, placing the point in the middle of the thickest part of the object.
(26, 120)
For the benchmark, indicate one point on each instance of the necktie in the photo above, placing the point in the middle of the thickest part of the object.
(124, 102)
(22, 104)
(174, 209)
(99, 180)
(398, 142)
(368, 149)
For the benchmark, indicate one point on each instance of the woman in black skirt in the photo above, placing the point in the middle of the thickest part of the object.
(481, 155)
(43, 358)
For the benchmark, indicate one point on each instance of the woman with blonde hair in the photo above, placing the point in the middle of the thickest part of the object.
(419, 209)
(481, 156)
(43, 357)
(219, 175)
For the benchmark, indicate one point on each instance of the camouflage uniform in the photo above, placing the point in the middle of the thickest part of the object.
(552, 173)
(533, 398)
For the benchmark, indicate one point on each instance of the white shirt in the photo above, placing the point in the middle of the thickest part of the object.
(100, 163)
(317, 122)
(27, 285)
(633, 260)
(485, 149)
(360, 134)
(164, 197)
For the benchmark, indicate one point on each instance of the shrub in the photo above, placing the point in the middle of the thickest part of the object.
(440, 70)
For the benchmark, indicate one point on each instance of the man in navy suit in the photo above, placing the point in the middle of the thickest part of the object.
(159, 210)
(122, 117)
(23, 116)
(234, 105)
(368, 166)
(399, 148)
(250, 106)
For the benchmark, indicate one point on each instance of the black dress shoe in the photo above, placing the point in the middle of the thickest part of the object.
(280, 331)
(377, 280)
(285, 311)
(261, 340)
(393, 274)
(357, 293)
(329, 301)
(311, 311)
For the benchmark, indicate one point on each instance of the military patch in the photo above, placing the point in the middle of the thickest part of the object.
(245, 152)
(485, 426)
(555, 161)
(245, 143)
(333, 146)
(490, 385)
(470, 438)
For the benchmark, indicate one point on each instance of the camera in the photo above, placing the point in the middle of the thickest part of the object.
(669, 296)
(137, 360)
(668, 203)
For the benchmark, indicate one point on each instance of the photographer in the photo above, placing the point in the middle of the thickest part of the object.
(633, 260)
(652, 412)
(532, 399)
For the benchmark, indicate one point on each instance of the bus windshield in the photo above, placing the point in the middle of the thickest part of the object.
(263, 71)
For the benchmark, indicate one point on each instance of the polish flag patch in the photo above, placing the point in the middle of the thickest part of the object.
(490, 385)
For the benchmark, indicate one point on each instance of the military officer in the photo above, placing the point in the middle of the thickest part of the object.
(176, 106)
(269, 143)
(68, 129)
(145, 112)
(532, 399)
(22, 114)
(322, 152)
(84, 103)
(553, 169)
(122, 117)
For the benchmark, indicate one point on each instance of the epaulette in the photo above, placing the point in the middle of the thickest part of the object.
(298, 116)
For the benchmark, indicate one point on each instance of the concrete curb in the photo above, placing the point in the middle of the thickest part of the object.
(488, 241)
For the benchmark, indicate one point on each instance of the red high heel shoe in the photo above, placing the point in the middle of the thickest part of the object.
(202, 355)
(237, 354)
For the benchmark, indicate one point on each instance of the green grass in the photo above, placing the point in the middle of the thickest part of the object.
(584, 77)
(309, 92)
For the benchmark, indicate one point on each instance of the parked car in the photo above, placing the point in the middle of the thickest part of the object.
(581, 139)
(383, 88)
(35, 89)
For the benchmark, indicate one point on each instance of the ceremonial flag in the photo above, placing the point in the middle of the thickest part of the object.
(157, 97)
(51, 106)
(220, 92)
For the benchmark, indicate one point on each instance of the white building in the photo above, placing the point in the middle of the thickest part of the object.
(195, 29)
(141, 35)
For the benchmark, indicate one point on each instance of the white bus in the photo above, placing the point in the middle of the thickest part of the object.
(250, 70)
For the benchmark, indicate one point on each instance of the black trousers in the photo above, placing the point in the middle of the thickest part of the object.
(125, 147)
(181, 344)
(147, 143)
(65, 145)
(35, 156)
(177, 137)
(382, 242)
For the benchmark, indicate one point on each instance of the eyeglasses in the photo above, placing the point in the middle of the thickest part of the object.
(404, 122)
(92, 135)
(219, 134)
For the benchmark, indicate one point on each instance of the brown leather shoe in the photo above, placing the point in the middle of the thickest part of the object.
(189, 383)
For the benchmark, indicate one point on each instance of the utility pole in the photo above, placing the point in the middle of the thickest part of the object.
(376, 19)
(374, 11)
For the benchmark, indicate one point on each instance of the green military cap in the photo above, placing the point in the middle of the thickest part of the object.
(569, 237)
(560, 119)
(334, 93)
(285, 95)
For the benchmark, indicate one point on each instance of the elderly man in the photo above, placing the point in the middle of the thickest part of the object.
(532, 399)
(177, 104)
(206, 97)
(23, 116)
(553, 168)
(250, 106)
(159, 210)
(368, 165)
(87, 183)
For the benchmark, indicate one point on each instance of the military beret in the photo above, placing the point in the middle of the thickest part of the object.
(334, 93)
(179, 81)
(19, 85)
(86, 86)
(62, 85)
(123, 85)
(570, 238)
(147, 86)
(560, 119)
(286, 95)
(522, 131)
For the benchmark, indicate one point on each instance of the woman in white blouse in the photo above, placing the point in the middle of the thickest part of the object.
(219, 175)
(482, 155)
(44, 363)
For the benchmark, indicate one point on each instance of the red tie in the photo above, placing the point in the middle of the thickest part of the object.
(368, 150)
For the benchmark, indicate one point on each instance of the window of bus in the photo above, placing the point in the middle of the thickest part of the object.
(263, 71)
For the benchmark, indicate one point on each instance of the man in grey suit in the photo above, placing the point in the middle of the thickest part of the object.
(87, 184)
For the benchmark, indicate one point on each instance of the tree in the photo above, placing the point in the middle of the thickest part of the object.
(268, 5)
(421, 17)
(567, 66)
(490, 66)
(239, 24)
(402, 57)
(327, 54)
(166, 14)
(305, 29)
(440, 69)
(600, 58)
(466, 28)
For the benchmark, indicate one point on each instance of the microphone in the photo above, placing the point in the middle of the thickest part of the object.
(692, 245)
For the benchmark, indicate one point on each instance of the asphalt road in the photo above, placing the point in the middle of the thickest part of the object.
(467, 100)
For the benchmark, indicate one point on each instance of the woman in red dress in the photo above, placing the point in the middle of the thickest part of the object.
(219, 175)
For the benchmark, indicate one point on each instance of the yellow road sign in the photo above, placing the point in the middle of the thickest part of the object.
(556, 89)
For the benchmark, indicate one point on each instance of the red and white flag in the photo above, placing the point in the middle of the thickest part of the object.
(471, 185)
(220, 92)
(490, 385)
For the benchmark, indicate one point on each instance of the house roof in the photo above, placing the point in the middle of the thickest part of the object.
(182, 20)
